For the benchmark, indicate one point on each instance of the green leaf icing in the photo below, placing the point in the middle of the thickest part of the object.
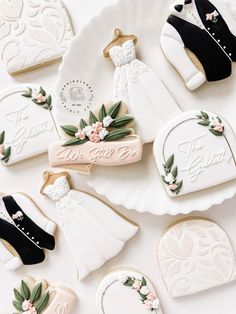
(36, 293)
(17, 306)
(42, 303)
(2, 137)
(25, 291)
(18, 296)
(170, 177)
(214, 123)
(6, 151)
(106, 127)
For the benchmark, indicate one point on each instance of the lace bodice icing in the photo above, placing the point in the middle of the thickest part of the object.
(58, 189)
(121, 55)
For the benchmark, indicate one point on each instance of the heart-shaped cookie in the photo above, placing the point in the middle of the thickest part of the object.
(194, 255)
(127, 291)
(26, 123)
(194, 151)
(32, 33)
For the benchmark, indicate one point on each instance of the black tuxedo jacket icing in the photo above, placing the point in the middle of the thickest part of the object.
(26, 237)
(214, 44)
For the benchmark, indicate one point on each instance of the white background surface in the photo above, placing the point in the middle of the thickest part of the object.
(140, 251)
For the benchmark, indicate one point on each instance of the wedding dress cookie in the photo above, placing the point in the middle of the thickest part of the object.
(106, 138)
(194, 151)
(94, 232)
(127, 291)
(24, 231)
(136, 84)
(32, 33)
(26, 123)
(194, 255)
(199, 40)
(34, 297)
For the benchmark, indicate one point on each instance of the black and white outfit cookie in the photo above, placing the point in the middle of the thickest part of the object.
(207, 29)
(25, 229)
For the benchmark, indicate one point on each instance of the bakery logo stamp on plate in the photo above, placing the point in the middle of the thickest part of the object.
(27, 126)
(195, 151)
(76, 97)
(32, 33)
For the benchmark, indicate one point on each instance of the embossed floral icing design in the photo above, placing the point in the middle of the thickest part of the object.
(107, 127)
(170, 177)
(39, 97)
(148, 297)
(195, 255)
(30, 302)
(215, 123)
(5, 153)
(212, 17)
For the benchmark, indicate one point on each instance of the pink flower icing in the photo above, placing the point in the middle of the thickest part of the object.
(1, 149)
(32, 310)
(80, 135)
(173, 187)
(151, 296)
(94, 137)
(137, 284)
(97, 127)
(40, 98)
(26, 305)
(219, 127)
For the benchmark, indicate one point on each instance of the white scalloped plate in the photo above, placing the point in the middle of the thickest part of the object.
(85, 80)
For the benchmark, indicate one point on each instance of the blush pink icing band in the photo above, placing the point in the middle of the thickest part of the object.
(125, 151)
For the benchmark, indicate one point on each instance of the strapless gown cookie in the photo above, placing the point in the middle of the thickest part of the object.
(26, 123)
(199, 40)
(32, 33)
(25, 232)
(34, 297)
(94, 232)
(195, 255)
(136, 84)
(127, 291)
(195, 151)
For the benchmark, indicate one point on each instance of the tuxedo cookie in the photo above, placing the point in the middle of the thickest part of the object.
(199, 40)
(32, 33)
(194, 255)
(127, 291)
(194, 151)
(26, 123)
(34, 297)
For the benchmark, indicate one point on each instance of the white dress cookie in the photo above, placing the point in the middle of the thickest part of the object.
(195, 255)
(194, 151)
(33, 32)
(94, 232)
(127, 291)
(26, 123)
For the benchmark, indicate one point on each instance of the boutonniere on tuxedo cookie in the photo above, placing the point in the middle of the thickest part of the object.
(106, 138)
(191, 149)
(36, 297)
(212, 17)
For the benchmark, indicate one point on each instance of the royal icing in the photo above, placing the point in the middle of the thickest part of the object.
(141, 89)
(195, 255)
(105, 139)
(207, 30)
(127, 291)
(195, 151)
(26, 123)
(79, 213)
(34, 297)
(32, 32)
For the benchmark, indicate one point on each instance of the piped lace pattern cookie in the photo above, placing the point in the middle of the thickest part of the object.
(32, 32)
(195, 255)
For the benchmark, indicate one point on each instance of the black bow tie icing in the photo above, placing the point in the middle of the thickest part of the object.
(188, 2)
(179, 7)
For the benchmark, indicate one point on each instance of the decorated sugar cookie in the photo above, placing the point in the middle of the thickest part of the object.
(194, 151)
(24, 231)
(105, 138)
(127, 291)
(94, 232)
(139, 87)
(26, 124)
(35, 297)
(199, 40)
(194, 255)
(32, 33)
